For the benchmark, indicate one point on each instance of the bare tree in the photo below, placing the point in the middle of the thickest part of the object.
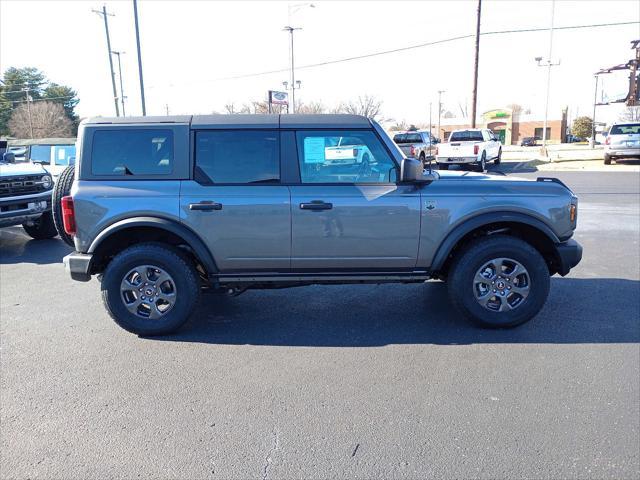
(630, 114)
(398, 126)
(311, 107)
(230, 108)
(44, 119)
(368, 106)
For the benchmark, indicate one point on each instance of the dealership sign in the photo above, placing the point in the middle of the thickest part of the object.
(278, 98)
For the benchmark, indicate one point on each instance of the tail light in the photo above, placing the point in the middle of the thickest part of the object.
(413, 150)
(436, 150)
(68, 215)
(476, 147)
(607, 141)
(355, 152)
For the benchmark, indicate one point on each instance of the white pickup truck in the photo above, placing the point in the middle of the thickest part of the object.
(471, 147)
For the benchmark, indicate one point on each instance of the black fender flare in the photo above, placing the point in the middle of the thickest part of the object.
(470, 224)
(189, 236)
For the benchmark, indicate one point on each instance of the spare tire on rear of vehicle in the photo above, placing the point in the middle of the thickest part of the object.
(62, 188)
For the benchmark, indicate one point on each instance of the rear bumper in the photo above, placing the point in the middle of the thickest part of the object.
(569, 255)
(78, 265)
(623, 152)
(456, 160)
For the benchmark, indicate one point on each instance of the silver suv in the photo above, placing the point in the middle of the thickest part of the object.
(164, 208)
(623, 141)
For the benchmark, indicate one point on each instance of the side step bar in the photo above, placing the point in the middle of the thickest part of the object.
(333, 277)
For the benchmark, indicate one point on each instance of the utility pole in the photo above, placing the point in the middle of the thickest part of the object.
(475, 70)
(122, 97)
(28, 98)
(135, 15)
(548, 64)
(440, 92)
(104, 15)
(430, 126)
(166, 106)
(593, 122)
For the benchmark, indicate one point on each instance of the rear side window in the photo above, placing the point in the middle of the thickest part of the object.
(466, 136)
(628, 129)
(132, 152)
(238, 156)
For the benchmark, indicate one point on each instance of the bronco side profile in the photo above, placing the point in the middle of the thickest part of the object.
(164, 208)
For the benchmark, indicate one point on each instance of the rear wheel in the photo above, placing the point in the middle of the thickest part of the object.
(607, 159)
(499, 282)
(150, 289)
(62, 188)
(41, 228)
(423, 160)
(482, 166)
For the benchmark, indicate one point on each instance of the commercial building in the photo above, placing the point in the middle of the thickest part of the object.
(511, 127)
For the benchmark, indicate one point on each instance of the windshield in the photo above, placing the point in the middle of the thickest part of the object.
(407, 138)
(626, 129)
(466, 136)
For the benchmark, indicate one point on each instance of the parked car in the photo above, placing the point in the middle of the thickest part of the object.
(623, 141)
(25, 196)
(471, 147)
(163, 208)
(528, 142)
(54, 154)
(348, 151)
(416, 144)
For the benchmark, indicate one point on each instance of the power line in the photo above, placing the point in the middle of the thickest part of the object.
(409, 47)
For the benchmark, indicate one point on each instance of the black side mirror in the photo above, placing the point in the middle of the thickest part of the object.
(413, 172)
(9, 157)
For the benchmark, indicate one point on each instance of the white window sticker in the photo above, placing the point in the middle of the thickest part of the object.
(314, 150)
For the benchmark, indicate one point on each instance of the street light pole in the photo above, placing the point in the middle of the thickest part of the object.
(440, 92)
(104, 15)
(135, 16)
(291, 9)
(549, 65)
(121, 87)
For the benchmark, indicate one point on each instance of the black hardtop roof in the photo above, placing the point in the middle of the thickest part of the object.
(242, 121)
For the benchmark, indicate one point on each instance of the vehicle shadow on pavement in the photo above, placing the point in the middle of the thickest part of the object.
(17, 247)
(578, 311)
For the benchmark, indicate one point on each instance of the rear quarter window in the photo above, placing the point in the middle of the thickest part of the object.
(132, 152)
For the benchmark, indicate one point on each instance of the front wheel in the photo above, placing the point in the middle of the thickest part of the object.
(499, 282)
(150, 289)
(607, 159)
(42, 228)
(498, 158)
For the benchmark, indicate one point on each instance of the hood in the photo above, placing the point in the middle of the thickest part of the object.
(477, 176)
(22, 168)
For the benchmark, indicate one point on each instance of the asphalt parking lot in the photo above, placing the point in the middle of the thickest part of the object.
(330, 381)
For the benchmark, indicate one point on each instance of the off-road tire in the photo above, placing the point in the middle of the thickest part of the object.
(42, 228)
(607, 159)
(465, 265)
(178, 266)
(62, 188)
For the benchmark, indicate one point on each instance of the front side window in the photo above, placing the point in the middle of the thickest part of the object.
(132, 151)
(40, 154)
(355, 156)
(238, 156)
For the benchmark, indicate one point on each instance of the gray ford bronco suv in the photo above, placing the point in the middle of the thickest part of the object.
(164, 208)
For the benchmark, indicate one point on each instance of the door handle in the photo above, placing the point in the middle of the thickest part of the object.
(316, 205)
(205, 206)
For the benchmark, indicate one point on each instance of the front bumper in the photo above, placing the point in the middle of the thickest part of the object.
(78, 265)
(22, 209)
(569, 255)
